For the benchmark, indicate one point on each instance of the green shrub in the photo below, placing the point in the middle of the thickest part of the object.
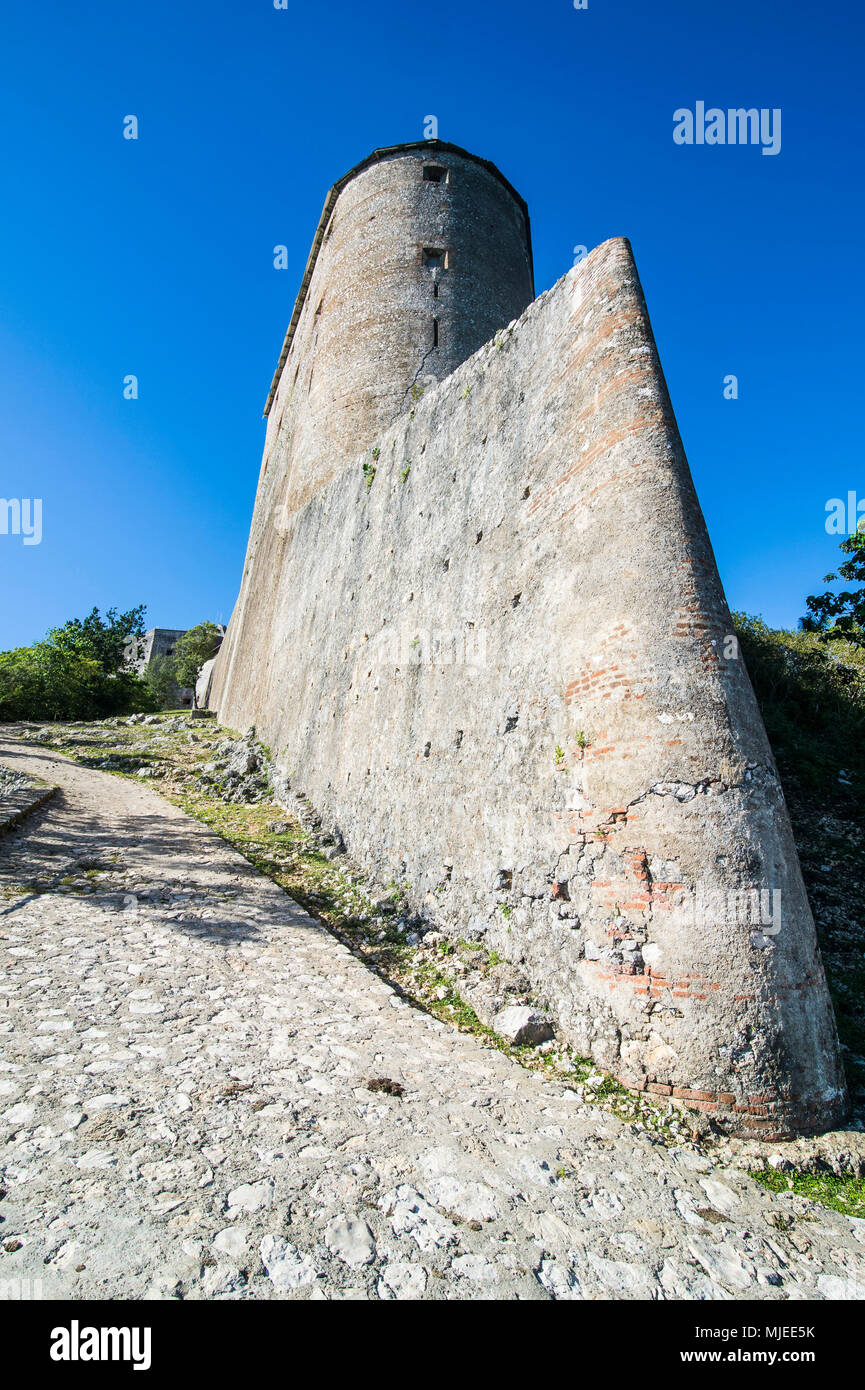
(82, 670)
(812, 695)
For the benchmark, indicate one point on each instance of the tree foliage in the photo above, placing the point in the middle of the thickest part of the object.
(812, 697)
(160, 677)
(195, 647)
(841, 615)
(82, 670)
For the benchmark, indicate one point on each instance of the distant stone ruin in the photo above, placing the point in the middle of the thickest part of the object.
(161, 642)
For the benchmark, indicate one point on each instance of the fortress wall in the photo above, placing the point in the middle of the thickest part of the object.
(542, 580)
(365, 334)
(366, 330)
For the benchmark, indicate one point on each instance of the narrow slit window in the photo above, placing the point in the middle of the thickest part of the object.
(435, 290)
(435, 332)
(434, 173)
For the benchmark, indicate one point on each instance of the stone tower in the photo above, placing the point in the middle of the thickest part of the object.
(421, 254)
(482, 629)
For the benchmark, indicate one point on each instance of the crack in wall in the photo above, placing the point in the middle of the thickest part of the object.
(686, 791)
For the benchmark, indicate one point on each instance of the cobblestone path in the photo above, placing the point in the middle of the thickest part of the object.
(184, 1107)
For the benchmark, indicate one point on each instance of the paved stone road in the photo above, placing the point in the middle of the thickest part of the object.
(182, 1097)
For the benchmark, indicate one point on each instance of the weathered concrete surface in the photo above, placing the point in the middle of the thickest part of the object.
(184, 1112)
(364, 342)
(204, 682)
(503, 672)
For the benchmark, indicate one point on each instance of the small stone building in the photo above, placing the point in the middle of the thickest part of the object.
(162, 641)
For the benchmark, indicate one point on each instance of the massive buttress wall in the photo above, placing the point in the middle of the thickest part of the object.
(500, 671)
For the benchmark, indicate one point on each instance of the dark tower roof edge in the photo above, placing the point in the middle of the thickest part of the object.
(375, 158)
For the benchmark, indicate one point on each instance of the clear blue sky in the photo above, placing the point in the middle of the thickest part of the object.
(155, 257)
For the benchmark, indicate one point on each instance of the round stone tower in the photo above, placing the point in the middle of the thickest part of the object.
(422, 252)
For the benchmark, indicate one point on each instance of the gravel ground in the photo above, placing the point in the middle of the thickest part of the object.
(203, 1094)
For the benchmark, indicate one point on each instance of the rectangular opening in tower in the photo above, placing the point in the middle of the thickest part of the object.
(435, 332)
(435, 173)
(434, 258)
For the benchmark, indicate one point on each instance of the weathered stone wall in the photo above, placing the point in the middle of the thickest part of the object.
(364, 337)
(365, 334)
(20, 796)
(500, 671)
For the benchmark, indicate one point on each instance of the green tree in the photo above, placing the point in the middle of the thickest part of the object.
(22, 685)
(110, 641)
(82, 670)
(160, 677)
(842, 615)
(812, 697)
(195, 647)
